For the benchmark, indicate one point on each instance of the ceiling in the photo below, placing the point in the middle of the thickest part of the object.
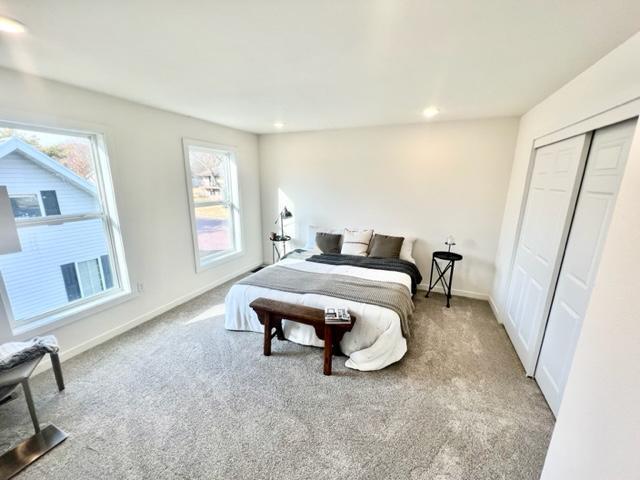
(317, 64)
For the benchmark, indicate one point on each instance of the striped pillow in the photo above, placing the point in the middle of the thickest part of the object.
(356, 242)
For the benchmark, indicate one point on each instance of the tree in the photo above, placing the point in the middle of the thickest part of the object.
(75, 156)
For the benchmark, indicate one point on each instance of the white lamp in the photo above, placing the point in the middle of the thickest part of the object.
(9, 240)
(450, 241)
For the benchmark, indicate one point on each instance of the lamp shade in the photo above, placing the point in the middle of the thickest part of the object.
(286, 213)
(9, 241)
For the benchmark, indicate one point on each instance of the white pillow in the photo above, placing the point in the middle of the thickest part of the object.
(356, 242)
(311, 237)
(406, 251)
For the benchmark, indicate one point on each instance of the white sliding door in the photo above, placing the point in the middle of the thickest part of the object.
(549, 206)
(605, 166)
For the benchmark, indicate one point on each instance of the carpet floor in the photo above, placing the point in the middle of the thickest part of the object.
(181, 397)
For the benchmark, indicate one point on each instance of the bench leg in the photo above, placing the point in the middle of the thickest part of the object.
(267, 334)
(57, 370)
(328, 349)
(279, 331)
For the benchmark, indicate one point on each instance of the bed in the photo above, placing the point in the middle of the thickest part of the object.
(378, 339)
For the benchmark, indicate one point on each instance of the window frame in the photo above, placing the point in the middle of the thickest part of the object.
(232, 201)
(107, 213)
(81, 282)
(38, 199)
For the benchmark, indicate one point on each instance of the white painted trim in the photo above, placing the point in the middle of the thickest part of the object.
(455, 292)
(120, 329)
(66, 315)
(233, 185)
(610, 116)
(496, 311)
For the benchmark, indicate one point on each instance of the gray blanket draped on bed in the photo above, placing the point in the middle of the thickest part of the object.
(393, 296)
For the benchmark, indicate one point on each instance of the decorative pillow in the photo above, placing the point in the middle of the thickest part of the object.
(356, 242)
(385, 246)
(328, 242)
(406, 252)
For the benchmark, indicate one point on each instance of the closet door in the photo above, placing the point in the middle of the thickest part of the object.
(549, 206)
(605, 166)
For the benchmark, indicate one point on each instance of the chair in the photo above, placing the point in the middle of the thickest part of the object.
(45, 439)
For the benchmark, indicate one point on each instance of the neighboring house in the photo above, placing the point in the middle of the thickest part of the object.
(209, 183)
(60, 262)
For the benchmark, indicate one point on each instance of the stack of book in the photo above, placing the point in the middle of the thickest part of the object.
(336, 315)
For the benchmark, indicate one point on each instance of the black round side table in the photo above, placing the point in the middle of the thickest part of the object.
(274, 246)
(451, 258)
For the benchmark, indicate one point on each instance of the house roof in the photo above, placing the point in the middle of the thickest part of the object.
(13, 144)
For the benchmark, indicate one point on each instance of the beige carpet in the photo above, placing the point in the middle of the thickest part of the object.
(180, 397)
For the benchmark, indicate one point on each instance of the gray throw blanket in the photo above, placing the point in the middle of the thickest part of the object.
(393, 296)
(15, 353)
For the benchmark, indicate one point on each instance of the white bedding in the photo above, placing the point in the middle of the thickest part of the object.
(376, 339)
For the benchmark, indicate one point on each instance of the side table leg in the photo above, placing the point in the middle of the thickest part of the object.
(450, 284)
(267, 334)
(328, 349)
(430, 278)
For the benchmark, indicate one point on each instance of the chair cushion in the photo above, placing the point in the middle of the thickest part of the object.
(16, 353)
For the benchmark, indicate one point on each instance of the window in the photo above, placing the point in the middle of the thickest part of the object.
(71, 256)
(84, 279)
(212, 181)
(25, 206)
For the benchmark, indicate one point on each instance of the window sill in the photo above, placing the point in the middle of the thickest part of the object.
(206, 264)
(45, 325)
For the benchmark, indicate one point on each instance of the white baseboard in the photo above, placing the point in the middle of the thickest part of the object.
(496, 311)
(456, 292)
(114, 332)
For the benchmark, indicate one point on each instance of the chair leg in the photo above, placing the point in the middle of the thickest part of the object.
(57, 370)
(30, 405)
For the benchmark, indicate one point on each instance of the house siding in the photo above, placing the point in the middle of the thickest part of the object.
(33, 278)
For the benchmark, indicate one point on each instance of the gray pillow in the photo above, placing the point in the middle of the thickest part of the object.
(384, 246)
(328, 242)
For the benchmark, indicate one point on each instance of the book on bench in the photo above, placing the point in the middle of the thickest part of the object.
(338, 315)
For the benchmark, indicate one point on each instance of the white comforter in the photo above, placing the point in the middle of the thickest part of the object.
(376, 339)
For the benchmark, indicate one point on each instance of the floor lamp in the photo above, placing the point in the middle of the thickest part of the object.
(45, 439)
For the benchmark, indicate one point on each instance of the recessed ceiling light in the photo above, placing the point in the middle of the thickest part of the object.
(430, 112)
(9, 25)
(278, 124)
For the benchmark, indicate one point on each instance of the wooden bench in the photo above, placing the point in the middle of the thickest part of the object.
(272, 312)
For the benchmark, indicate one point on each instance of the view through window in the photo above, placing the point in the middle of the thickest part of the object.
(66, 233)
(214, 206)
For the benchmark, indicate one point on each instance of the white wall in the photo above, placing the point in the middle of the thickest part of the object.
(426, 180)
(597, 430)
(145, 151)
